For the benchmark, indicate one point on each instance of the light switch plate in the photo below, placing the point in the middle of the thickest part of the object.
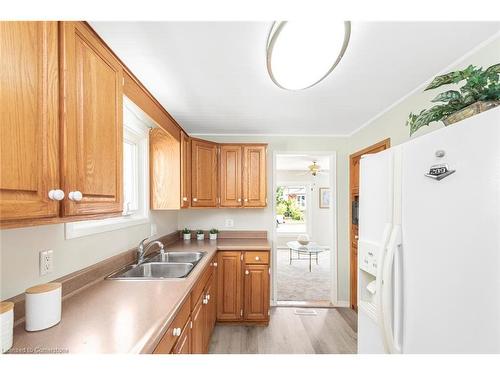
(229, 223)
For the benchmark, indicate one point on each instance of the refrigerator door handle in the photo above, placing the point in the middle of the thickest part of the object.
(387, 291)
(380, 270)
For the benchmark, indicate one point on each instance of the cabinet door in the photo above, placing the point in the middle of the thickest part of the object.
(256, 282)
(203, 173)
(92, 92)
(230, 176)
(254, 176)
(185, 171)
(210, 315)
(28, 120)
(198, 330)
(165, 170)
(229, 281)
(183, 345)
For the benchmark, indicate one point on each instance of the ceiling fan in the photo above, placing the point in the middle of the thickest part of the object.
(314, 169)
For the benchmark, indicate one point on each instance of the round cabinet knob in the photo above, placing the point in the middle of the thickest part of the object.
(239, 199)
(257, 258)
(176, 332)
(215, 264)
(247, 272)
(246, 199)
(56, 195)
(208, 297)
(205, 301)
(75, 196)
(184, 199)
(195, 199)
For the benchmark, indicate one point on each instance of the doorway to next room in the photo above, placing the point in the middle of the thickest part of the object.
(304, 272)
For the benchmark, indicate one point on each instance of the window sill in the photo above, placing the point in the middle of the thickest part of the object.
(87, 228)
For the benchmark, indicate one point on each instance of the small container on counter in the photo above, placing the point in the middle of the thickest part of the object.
(43, 306)
(6, 325)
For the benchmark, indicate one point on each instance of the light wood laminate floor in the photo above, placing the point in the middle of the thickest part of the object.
(331, 331)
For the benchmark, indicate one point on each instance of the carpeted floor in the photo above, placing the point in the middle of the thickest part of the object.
(296, 283)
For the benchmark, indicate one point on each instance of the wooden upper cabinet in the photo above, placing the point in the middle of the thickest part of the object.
(92, 127)
(29, 137)
(254, 176)
(229, 286)
(165, 170)
(230, 176)
(256, 286)
(204, 173)
(185, 170)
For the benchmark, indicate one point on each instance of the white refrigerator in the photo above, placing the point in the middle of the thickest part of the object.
(429, 242)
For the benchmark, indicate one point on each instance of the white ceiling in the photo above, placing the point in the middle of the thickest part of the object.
(292, 162)
(212, 76)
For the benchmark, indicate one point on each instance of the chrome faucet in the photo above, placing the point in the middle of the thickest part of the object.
(141, 249)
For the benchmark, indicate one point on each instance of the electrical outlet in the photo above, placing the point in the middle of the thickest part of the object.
(46, 262)
(229, 223)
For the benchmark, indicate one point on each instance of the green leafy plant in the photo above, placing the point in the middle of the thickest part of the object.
(199, 231)
(480, 85)
(287, 207)
(214, 231)
(186, 231)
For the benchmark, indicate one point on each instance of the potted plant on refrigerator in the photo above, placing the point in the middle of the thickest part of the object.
(480, 93)
(186, 234)
(200, 235)
(213, 233)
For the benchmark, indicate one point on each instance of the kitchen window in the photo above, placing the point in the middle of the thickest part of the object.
(135, 178)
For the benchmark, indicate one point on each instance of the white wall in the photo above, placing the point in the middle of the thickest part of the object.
(20, 248)
(262, 218)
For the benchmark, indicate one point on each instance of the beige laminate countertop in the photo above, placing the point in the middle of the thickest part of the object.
(123, 316)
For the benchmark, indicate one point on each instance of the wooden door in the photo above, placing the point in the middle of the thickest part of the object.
(230, 176)
(29, 133)
(198, 328)
(185, 171)
(254, 176)
(229, 304)
(256, 286)
(92, 126)
(203, 173)
(354, 199)
(165, 170)
(183, 345)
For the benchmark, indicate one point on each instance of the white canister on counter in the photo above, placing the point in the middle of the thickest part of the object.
(6, 325)
(43, 306)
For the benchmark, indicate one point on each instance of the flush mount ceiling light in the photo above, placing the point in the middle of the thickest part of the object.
(302, 54)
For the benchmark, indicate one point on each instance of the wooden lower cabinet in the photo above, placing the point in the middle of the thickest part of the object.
(256, 291)
(197, 331)
(183, 345)
(229, 306)
(243, 286)
(197, 316)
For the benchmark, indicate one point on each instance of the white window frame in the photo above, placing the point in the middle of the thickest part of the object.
(136, 128)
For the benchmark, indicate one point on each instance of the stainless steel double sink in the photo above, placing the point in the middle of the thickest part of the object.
(167, 265)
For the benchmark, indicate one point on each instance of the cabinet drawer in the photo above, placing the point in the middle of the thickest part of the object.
(173, 332)
(256, 257)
